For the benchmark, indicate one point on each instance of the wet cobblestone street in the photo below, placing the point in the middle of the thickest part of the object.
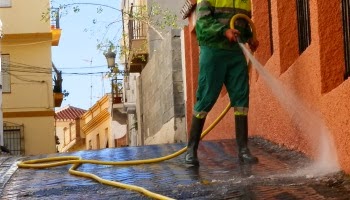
(220, 175)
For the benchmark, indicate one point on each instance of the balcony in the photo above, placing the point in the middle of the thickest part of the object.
(138, 46)
(55, 26)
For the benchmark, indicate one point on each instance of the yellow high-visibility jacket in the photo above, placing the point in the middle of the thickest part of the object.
(213, 19)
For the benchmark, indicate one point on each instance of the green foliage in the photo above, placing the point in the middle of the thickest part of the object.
(65, 94)
(162, 18)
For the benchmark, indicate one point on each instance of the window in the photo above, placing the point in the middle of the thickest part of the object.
(90, 145)
(270, 26)
(98, 141)
(5, 3)
(346, 32)
(66, 138)
(5, 75)
(106, 137)
(14, 139)
(303, 17)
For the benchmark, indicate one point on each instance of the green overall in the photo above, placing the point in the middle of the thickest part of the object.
(218, 67)
(221, 62)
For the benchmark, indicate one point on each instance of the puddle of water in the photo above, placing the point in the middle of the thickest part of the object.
(306, 120)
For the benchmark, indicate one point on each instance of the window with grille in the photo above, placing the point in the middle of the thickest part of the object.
(14, 139)
(270, 26)
(5, 3)
(5, 75)
(346, 30)
(304, 31)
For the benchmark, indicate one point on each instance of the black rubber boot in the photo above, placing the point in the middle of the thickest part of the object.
(193, 141)
(244, 155)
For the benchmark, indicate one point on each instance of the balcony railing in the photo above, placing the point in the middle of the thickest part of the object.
(137, 31)
(117, 92)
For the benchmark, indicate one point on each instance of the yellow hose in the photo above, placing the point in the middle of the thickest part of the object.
(77, 161)
(251, 24)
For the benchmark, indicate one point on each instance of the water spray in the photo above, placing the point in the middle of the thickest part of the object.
(326, 160)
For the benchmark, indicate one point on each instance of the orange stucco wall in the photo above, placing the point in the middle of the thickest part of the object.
(315, 76)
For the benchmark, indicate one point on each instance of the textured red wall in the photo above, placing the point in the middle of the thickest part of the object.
(315, 76)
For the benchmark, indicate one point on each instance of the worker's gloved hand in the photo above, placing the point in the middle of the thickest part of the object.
(253, 44)
(232, 34)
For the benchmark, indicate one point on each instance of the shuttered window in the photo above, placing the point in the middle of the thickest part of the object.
(5, 76)
(304, 31)
(346, 31)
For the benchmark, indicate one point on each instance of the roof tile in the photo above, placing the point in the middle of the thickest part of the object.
(69, 113)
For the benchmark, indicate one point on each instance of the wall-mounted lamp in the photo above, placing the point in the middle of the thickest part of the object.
(110, 56)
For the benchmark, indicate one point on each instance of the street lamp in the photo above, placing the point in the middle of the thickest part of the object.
(110, 56)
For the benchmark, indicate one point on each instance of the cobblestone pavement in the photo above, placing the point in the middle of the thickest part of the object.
(220, 175)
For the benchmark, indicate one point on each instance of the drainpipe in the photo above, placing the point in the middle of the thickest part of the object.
(1, 117)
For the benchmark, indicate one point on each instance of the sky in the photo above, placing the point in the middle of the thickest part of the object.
(77, 54)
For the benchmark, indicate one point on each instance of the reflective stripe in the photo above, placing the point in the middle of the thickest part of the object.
(237, 113)
(203, 11)
(240, 111)
(200, 115)
(224, 21)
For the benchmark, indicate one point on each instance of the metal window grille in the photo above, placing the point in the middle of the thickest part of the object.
(346, 32)
(14, 139)
(270, 26)
(136, 27)
(304, 31)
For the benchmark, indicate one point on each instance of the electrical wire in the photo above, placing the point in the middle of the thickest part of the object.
(33, 69)
(25, 79)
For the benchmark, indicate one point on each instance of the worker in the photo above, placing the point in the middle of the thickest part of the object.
(222, 62)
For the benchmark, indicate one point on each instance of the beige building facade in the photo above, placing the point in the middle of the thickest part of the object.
(28, 104)
(68, 125)
(102, 127)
